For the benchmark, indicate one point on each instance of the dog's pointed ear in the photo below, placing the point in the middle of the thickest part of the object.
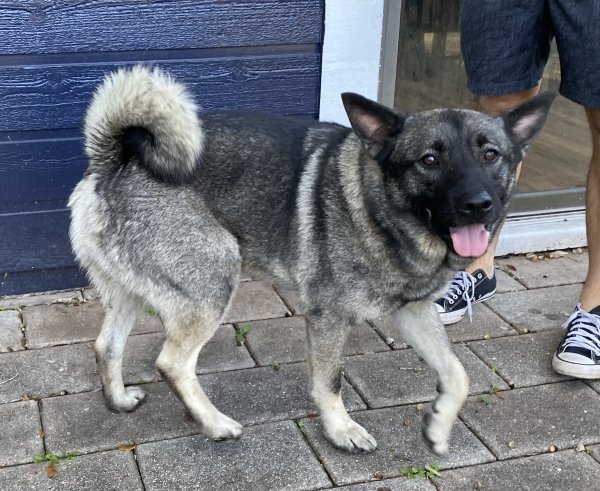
(373, 123)
(526, 120)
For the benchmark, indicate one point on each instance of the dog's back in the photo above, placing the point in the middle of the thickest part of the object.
(250, 176)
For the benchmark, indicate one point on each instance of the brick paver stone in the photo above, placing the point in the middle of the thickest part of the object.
(223, 353)
(140, 357)
(260, 395)
(220, 353)
(11, 337)
(292, 300)
(594, 384)
(528, 421)
(536, 310)
(83, 423)
(268, 457)
(484, 324)
(284, 340)
(560, 471)
(525, 360)
(50, 325)
(98, 472)
(255, 300)
(43, 372)
(594, 451)
(40, 299)
(386, 329)
(90, 293)
(550, 272)
(581, 256)
(397, 484)
(505, 283)
(19, 433)
(273, 454)
(400, 377)
(398, 435)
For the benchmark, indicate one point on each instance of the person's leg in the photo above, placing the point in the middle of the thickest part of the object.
(478, 283)
(590, 295)
(577, 30)
(494, 105)
(578, 354)
(578, 41)
(505, 46)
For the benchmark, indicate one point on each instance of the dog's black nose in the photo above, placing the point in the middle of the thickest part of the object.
(478, 205)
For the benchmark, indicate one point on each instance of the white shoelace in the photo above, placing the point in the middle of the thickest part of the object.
(585, 331)
(462, 286)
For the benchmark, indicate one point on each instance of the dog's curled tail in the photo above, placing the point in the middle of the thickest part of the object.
(143, 113)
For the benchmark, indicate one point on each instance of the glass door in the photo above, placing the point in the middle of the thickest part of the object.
(430, 73)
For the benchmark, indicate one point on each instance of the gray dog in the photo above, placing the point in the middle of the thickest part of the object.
(365, 222)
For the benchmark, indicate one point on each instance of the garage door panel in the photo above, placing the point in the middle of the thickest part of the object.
(38, 26)
(37, 175)
(35, 240)
(44, 97)
(233, 54)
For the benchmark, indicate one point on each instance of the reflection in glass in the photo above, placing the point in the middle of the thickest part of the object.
(431, 74)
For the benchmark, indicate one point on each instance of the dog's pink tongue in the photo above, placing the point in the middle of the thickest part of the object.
(470, 240)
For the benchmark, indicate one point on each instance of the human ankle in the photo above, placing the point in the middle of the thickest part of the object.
(488, 270)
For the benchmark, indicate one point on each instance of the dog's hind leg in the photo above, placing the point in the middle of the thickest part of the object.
(110, 344)
(326, 339)
(188, 330)
(422, 328)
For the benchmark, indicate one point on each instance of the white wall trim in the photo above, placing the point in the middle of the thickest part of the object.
(389, 52)
(536, 233)
(351, 53)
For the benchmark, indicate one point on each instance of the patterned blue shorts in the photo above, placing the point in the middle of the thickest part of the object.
(506, 44)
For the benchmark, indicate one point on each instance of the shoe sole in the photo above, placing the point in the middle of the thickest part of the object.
(457, 315)
(452, 317)
(575, 369)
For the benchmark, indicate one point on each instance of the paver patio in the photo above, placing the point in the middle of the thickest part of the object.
(541, 431)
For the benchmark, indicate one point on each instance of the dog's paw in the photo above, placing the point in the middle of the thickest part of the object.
(220, 428)
(131, 398)
(435, 437)
(351, 436)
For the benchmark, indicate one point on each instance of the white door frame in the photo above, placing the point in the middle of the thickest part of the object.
(359, 55)
(352, 54)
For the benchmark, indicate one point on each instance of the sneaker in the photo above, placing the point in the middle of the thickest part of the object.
(465, 290)
(578, 354)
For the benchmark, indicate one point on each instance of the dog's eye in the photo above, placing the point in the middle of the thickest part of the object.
(490, 155)
(429, 159)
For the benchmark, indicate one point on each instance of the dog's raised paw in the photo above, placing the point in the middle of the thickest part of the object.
(435, 443)
(351, 437)
(129, 401)
(221, 428)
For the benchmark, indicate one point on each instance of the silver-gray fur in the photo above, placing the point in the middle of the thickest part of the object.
(175, 206)
(146, 99)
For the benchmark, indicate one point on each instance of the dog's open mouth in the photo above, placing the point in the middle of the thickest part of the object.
(470, 240)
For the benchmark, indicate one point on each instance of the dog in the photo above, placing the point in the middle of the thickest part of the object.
(176, 205)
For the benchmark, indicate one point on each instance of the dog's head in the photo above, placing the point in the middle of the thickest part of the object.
(455, 169)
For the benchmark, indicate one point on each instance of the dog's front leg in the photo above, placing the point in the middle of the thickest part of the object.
(326, 339)
(422, 328)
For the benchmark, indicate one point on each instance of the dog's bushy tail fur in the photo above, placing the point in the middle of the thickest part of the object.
(143, 113)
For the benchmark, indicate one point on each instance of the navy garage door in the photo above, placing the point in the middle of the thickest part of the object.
(257, 55)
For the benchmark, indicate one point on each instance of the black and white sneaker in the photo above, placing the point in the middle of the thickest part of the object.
(578, 354)
(465, 290)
